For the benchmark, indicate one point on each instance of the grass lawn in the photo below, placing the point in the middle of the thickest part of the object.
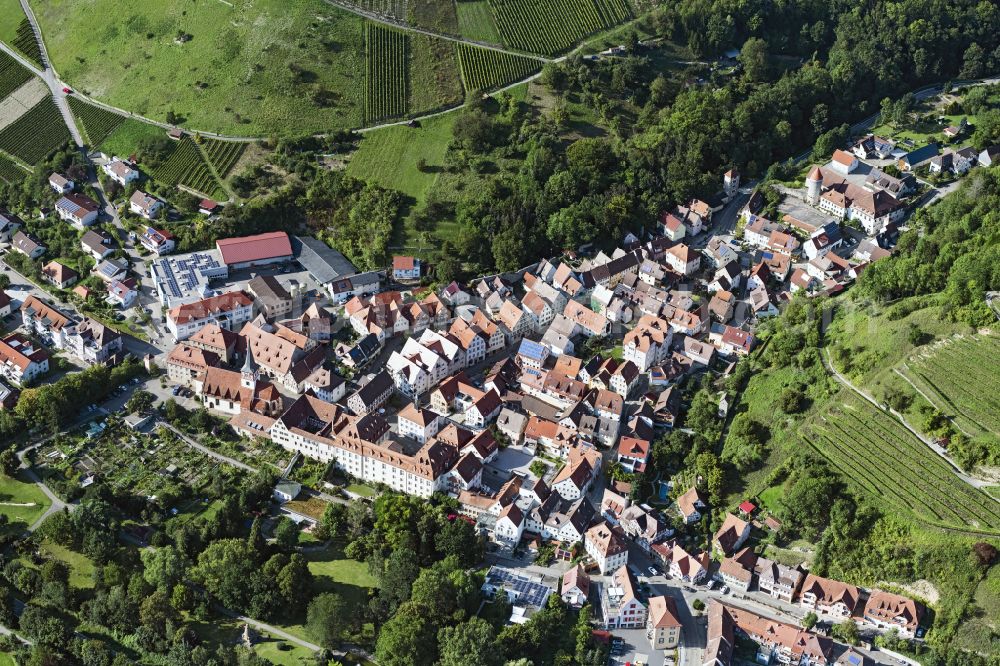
(16, 491)
(242, 67)
(124, 140)
(11, 12)
(81, 569)
(226, 631)
(771, 498)
(389, 157)
(476, 21)
(361, 489)
(334, 572)
(7, 660)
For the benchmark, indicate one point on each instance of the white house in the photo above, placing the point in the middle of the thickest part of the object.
(418, 423)
(120, 171)
(145, 205)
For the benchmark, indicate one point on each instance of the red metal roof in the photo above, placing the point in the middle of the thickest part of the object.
(748, 507)
(254, 248)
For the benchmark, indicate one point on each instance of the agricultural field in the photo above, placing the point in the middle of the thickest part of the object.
(10, 172)
(35, 134)
(223, 155)
(25, 42)
(436, 15)
(187, 167)
(476, 22)
(435, 82)
(396, 9)
(97, 123)
(875, 454)
(553, 26)
(386, 80)
(12, 74)
(245, 67)
(957, 375)
(485, 69)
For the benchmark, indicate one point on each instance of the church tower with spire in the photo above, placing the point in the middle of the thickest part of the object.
(250, 372)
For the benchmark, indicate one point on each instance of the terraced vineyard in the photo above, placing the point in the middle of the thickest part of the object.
(874, 453)
(960, 376)
(9, 171)
(12, 74)
(386, 68)
(485, 69)
(187, 167)
(97, 122)
(553, 26)
(36, 133)
(223, 155)
(26, 43)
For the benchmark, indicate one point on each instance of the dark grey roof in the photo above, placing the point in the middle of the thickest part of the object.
(323, 262)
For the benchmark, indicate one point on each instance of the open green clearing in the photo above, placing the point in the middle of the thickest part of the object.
(124, 140)
(553, 26)
(97, 123)
(16, 491)
(81, 569)
(10, 172)
(960, 376)
(436, 15)
(390, 156)
(247, 67)
(335, 572)
(386, 81)
(485, 69)
(7, 660)
(435, 82)
(12, 75)
(11, 11)
(36, 133)
(223, 155)
(876, 455)
(475, 21)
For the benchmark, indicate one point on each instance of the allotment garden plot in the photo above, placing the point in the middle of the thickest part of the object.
(876, 454)
(961, 377)
(156, 464)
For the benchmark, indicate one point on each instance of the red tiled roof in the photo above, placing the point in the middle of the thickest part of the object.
(254, 248)
(402, 263)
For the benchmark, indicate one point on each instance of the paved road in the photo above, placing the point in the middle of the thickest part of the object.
(975, 483)
(57, 504)
(48, 75)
